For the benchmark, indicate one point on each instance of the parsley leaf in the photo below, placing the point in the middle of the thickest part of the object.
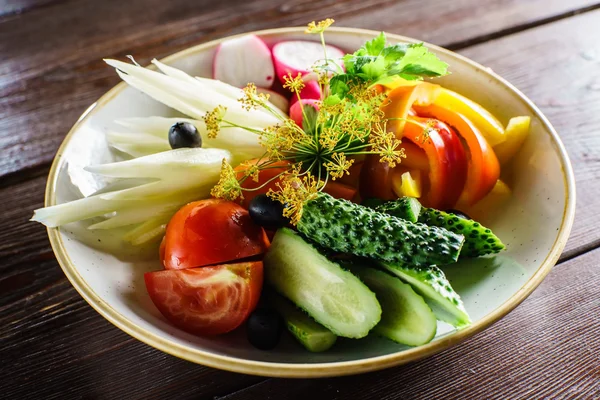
(375, 62)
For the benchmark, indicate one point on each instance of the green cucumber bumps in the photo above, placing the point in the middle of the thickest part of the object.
(479, 240)
(350, 228)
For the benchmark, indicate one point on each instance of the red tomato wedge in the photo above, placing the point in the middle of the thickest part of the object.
(208, 300)
(447, 160)
(376, 179)
(484, 168)
(209, 232)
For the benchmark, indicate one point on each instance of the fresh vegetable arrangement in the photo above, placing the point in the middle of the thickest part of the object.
(347, 192)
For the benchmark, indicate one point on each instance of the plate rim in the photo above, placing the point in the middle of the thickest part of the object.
(312, 370)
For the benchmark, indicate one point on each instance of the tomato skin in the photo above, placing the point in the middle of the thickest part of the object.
(209, 232)
(483, 165)
(208, 300)
(340, 190)
(264, 175)
(376, 179)
(447, 161)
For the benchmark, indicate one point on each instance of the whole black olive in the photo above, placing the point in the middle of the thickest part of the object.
(184, 134)
(263, 328)
(267, 212)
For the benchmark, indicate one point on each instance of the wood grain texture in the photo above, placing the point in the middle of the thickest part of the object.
(558, 67)
(48, 80)
(546, 348)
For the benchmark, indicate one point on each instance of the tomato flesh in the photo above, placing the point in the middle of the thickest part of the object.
(209, 232)
(208, 300)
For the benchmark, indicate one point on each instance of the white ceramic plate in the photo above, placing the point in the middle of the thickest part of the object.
(534, 224)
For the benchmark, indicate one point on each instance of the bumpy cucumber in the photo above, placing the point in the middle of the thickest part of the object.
(479, 240)
(335, 298)
(406, 318)
(312, 335)
(350, 228)
(407, 208)
(431, 283)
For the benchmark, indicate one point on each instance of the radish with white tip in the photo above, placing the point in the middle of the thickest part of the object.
(242, 60)
(311, 90)
(299, 56)
(296, 109)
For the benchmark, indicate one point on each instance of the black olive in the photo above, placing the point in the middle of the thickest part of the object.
(267, 212)
(184, 134)
(264, 328)
(458, 213)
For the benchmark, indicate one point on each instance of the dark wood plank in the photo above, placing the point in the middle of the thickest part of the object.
(547, 348)
(47, 80)
(557, 67)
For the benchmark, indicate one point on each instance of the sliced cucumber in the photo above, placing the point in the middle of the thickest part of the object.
(312, 335)
(431, 283)
(407, 208)
(405, 318)
(335, 298)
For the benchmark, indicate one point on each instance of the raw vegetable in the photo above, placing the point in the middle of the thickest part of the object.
(333, 297)
(278, 100)
(483, 167)
(350, 228)
(479, 240)
(310, 334)
(515, 134)
(486, 123)
(376, 179)
(407, 183)
(209, 300)
(403, 98)
(312, 90)
(300, 108)
(485, 210)
(407, 208)
(447, 160)
(405, 318)
(172, 178)
(244, 59)
(263, 328)
(431, 283)
(295, 57)
(209, 232)
(267, 178)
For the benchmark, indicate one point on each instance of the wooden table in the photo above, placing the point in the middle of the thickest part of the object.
(56, 346)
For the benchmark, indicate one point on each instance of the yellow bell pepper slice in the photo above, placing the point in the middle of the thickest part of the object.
(490, 127)
(516, 133)
(407, 184)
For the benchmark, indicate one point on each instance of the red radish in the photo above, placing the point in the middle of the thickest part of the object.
(275, 98)
(311, 90)
(296, 109)
(298, 56)
(242, 60)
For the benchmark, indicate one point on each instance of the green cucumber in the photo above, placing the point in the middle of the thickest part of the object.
(479, 240)
(431, 283)
(407, 208)
(406, 318)
(335, 298)
(312, 335)
(350, 228)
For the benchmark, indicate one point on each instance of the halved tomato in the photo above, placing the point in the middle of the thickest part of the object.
(208, 300)
(209, 232)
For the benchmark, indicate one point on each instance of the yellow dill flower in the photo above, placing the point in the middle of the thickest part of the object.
(293, 84)
(294, 192)
(338, 166)
(250, 170)
(228, 187)
(386, 145)
(320, 26)
(329, 138)
(252, 99)
(213, 120)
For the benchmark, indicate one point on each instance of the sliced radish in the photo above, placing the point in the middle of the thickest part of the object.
(296, 109)
(298, 56)
(312, 90)
(275, 98)
(242, 60)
